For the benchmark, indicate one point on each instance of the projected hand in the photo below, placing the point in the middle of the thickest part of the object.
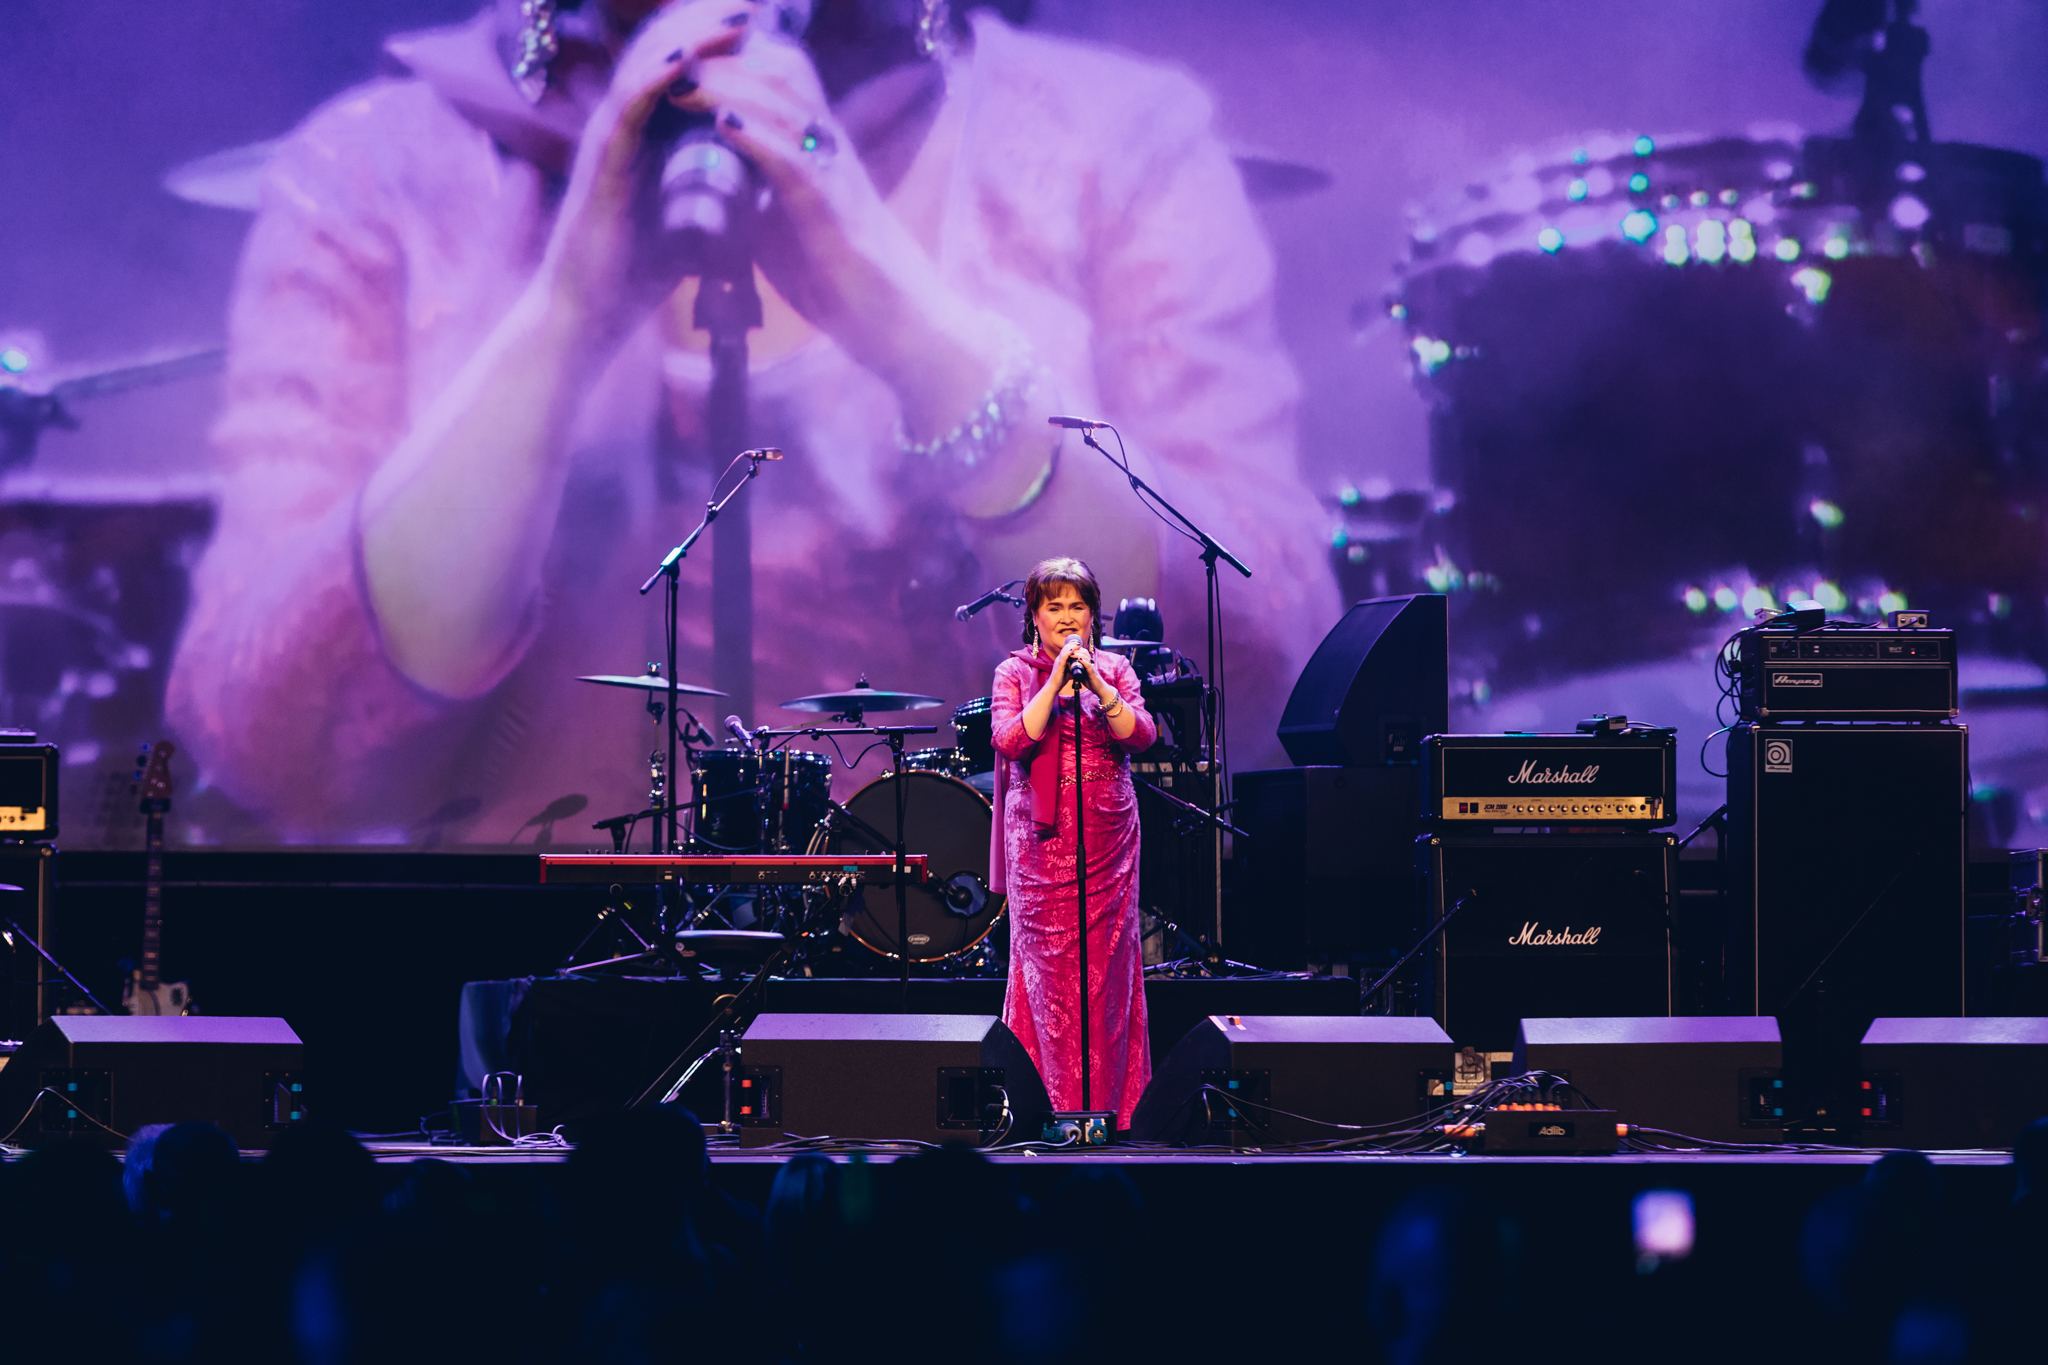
(606, 261)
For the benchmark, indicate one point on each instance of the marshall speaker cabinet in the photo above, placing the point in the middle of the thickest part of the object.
(1553, 925)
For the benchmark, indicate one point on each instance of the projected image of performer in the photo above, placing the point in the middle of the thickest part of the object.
(1040, 714)
(466, 400)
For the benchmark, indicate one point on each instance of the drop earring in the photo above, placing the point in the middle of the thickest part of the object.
(934, 17)
(539, 41)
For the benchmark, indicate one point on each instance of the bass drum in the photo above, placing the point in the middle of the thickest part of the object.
(947, 821)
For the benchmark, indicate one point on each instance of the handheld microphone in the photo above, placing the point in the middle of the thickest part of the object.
(1077, 670)
(739, 731)
(1075, 423)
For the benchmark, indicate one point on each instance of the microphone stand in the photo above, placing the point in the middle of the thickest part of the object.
(895, 734)
(670, 569)
(1081, 888)
(1214, 714)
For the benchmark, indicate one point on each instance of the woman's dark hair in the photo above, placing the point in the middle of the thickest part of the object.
(1045, 575)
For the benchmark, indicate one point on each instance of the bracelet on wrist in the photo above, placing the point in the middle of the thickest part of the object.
(995, 415)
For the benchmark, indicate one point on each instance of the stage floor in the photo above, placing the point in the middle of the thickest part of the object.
(399, 1152)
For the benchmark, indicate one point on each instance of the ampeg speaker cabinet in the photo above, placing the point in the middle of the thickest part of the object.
(1947, 1082)
(1716, 1078)
(927, 1077)
(1378, 683)
(1226, 1079)
(1845, 870)
(1553, 925)
(100, 1077)
(1329, 865)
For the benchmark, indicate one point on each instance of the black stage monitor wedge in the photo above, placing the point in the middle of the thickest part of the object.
(923, 1077)
(1717, 1078)
(1948, 1082)
(1230, 1078)
(1379, 682)
(1553, 924)
(100, 1077)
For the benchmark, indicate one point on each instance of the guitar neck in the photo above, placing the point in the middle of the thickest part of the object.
(153, 895)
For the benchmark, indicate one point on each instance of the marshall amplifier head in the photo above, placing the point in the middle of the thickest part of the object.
(1622, 779)
(1871, 673)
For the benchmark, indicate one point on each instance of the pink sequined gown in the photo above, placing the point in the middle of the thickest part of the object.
(1043, 1006)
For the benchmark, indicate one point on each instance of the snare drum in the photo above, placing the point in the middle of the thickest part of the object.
(750, 803)
(949, 762)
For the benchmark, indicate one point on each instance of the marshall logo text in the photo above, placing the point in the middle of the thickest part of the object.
(1535, 937)
(1531, 775)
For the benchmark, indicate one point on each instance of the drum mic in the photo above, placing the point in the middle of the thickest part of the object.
(1075, 423)
(987, 599)
(739, 731)
(764, 453)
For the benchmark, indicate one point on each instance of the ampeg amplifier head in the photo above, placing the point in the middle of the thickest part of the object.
(1861, 673)
(1624, 779)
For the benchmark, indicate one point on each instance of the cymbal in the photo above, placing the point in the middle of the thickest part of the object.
(1112, 642)
(232, 179)
(862, 698)
(649, 682)
(1268, 177)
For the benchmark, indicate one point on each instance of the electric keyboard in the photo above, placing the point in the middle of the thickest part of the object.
(750, 869)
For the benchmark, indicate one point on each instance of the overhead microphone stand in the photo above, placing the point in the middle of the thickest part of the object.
(670, 569)
(1213, 715)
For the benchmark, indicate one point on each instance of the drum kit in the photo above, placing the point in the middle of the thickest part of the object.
(758, 794)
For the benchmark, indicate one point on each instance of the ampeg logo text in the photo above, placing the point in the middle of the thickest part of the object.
(1777, 755)
(1530, 774)
(1534, 936)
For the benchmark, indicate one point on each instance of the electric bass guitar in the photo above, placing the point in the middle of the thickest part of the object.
(145, 993)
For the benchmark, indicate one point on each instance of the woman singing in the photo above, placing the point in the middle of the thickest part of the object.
(1039, 716)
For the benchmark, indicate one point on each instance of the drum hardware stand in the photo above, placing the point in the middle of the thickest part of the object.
(1213, 712)
(614, 912)
(14, 930)
(896, 735)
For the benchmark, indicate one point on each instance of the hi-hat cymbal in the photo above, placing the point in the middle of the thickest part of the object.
(649, 682)
(862, 698)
